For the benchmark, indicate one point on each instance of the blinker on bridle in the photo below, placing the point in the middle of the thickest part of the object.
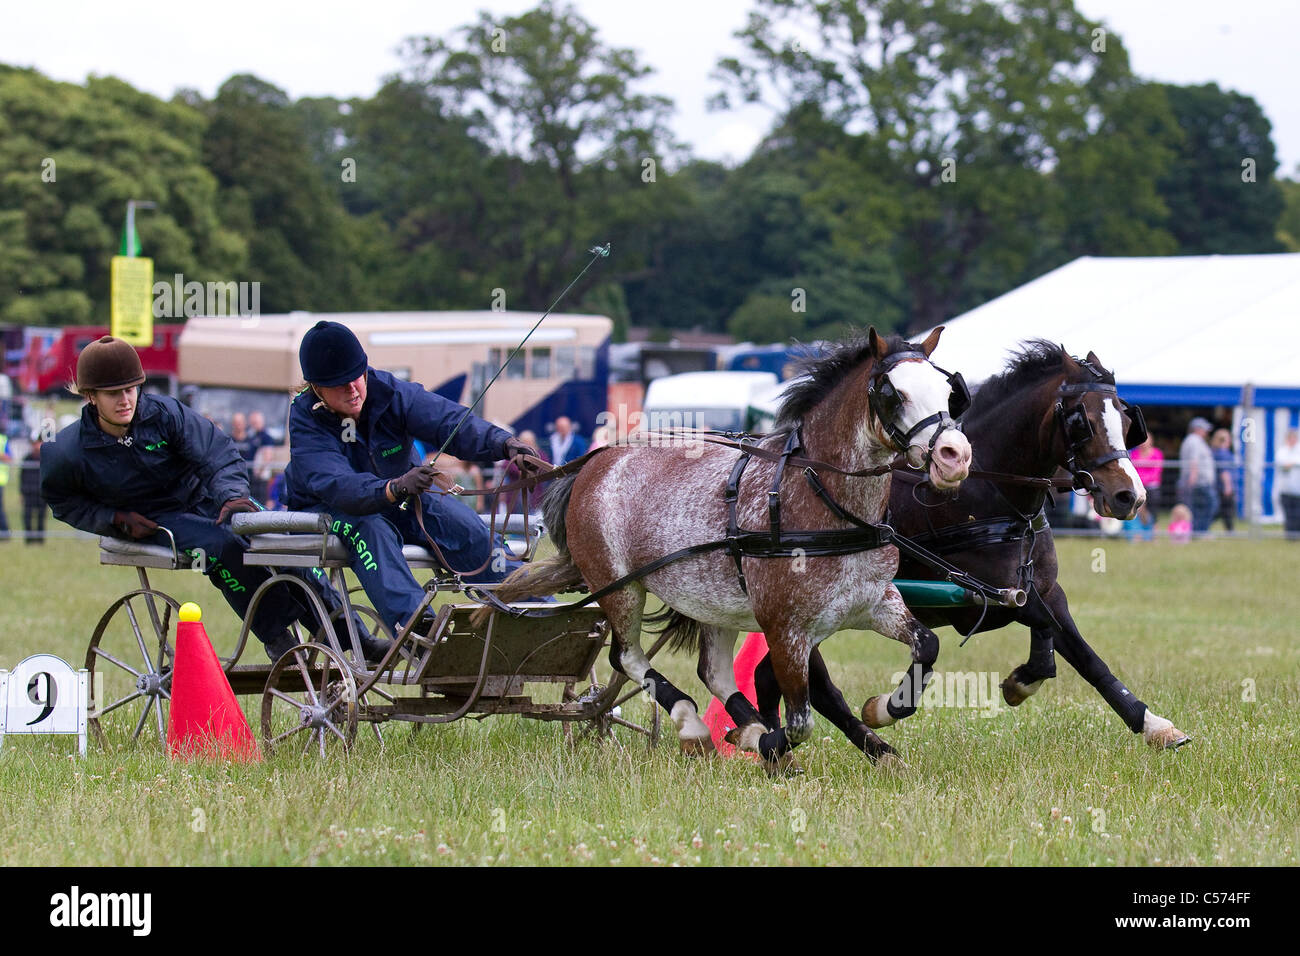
(886, 403)
(1078, 431)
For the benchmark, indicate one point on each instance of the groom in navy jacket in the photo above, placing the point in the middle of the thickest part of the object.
(352, 455)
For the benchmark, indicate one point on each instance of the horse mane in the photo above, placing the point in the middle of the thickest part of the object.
(817, 375)
(1035, 361)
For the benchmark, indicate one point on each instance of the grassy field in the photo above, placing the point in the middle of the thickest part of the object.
(1205, 633)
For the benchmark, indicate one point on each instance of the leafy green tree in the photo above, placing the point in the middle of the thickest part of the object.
(299, 246)
(572, 145)
(1288, 227)
(958, 112)
(1220, 189)
(70, 158)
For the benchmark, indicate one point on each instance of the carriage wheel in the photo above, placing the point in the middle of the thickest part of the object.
(130, 663)
(376, 628)
(613, 697)
(310, 701)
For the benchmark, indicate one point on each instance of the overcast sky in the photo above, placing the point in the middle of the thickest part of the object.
(345, 48)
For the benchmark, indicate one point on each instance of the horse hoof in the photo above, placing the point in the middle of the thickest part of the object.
(874, 714)
(1168, 738)
(783, 766)
(892, 763)
(1016, 693)
(698, 746)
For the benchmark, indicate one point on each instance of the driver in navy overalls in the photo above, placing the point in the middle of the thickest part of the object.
(352, 436)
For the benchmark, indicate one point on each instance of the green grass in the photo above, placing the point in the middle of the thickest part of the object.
(1186, 627)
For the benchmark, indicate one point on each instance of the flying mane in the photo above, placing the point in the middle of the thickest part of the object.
(1036, 360)
(819, 375)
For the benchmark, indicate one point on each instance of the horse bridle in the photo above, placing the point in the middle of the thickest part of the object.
(886, 403)
(1077, 430)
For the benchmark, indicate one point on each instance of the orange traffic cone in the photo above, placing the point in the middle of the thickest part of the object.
(716, 716)
(206, 719)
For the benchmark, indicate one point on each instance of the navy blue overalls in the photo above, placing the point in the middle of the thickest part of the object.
(342, 468)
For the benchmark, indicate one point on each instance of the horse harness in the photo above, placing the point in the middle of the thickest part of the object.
(1077, 430)
(885, 402)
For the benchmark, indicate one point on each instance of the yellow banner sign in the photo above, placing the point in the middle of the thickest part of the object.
(132, 300)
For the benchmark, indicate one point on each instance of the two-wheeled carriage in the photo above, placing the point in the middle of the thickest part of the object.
(318, 692)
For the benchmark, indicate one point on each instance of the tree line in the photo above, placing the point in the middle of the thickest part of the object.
(922, 160)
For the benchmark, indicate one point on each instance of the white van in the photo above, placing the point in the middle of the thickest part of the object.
(719, 401)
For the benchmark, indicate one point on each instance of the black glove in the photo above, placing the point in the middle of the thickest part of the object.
(415, 482)
(520, 452)
(235, 506)
(134, 525)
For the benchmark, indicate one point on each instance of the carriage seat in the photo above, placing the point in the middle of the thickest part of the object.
(137, 554)
(301, 539)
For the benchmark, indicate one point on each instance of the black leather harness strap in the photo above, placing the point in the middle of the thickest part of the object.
(792, 444)
(731, 495)
(983, 533)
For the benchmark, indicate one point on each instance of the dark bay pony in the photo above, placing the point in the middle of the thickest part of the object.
(1047, 411)
(630, 505)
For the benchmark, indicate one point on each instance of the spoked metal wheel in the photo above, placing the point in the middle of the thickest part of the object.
(375, 627)
(610, 700)
(310, 702)
(130, 664)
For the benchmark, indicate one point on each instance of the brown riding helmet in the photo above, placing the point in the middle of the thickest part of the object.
(108, 363)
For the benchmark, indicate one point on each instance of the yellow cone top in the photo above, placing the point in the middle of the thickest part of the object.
(190, 612)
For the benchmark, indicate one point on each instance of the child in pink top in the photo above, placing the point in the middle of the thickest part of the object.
(1147, 460)
(1180, 523)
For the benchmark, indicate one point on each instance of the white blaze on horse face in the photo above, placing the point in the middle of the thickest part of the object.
(927, 392)
(1114, 423)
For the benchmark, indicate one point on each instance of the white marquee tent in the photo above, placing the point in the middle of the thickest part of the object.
(1177, 330)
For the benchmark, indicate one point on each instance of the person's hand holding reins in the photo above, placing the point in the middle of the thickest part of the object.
(235, 506)
(524, 456)
(415, 482)
(133, 524)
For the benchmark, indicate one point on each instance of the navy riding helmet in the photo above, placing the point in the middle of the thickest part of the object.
(331, 355)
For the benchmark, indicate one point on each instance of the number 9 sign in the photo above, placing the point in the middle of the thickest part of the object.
(44, 695)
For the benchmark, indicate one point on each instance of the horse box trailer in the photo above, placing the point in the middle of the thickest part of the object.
(230, 364)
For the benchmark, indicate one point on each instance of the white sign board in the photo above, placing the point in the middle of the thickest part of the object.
(44, 695)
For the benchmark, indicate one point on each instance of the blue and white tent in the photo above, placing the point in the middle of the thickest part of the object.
(1177, 330)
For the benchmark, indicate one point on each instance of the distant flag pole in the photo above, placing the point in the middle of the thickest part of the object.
(131, 305)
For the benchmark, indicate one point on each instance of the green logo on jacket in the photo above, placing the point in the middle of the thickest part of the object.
(391, 451)
(156, 445)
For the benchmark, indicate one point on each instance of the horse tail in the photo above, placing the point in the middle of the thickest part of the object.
(551, 575)
(683, 632)
(555, 505)
(538, 579)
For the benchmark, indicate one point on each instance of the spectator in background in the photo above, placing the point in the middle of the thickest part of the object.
(259, 472)
(240, 436)
(1180, 523)
(1224, 463)
(1197, 486)
(1287, 462)
(1149, 461)
(29, 486)
(566, 443)
(257, 429)
(5, 459)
